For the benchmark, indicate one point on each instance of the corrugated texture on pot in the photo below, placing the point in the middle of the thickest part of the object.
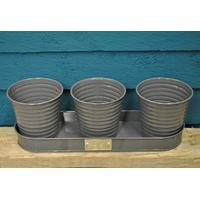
(98, 105)
(36, 105)
(163, 104)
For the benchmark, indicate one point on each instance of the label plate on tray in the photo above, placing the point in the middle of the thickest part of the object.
(98, 144)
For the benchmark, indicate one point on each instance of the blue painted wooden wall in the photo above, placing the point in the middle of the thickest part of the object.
(128, 57)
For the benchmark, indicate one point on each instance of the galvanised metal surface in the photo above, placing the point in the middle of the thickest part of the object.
(163, 104)
(129, 138)
(36, 105)
(98, 105)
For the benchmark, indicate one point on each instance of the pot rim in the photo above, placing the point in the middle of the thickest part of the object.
(161, 103)
(98, 78)
(34, 104)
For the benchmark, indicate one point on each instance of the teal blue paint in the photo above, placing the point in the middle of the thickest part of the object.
(98, 41)
(127, 67)
(129, 57)
(130, 102)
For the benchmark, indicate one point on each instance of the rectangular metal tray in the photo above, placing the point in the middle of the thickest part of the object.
(129, 138)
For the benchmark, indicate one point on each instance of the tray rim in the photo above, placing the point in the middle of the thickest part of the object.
(77, 144)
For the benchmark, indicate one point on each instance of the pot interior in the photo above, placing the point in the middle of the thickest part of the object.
(164, 90)
(98, 90)
(36, 90)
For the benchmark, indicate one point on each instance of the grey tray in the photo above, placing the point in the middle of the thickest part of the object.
(129, 137)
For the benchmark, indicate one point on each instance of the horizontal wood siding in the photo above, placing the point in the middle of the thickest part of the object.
(129, 57)
(127, 67)
(98, 41)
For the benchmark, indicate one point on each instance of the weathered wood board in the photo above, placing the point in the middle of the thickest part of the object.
(185, 155)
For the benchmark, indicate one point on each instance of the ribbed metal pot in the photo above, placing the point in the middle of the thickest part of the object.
(163, 104)
(36, 105)
(98, 105)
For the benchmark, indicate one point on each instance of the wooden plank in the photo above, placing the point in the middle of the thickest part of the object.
(98, 41)
(186, 155)
(127, 67)
(130, 103)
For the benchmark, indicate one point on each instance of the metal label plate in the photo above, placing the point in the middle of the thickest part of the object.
(98, 144)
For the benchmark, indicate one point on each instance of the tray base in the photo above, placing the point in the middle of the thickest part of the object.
(129, 137)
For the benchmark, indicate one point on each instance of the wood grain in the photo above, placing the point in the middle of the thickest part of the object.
(127, 67)
(98, 41)
(185, 155)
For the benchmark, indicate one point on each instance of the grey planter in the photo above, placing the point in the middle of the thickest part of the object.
(163, 104)
(98, 105)
(36, 105)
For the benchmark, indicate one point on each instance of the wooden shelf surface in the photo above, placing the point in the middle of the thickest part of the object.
(185, 155)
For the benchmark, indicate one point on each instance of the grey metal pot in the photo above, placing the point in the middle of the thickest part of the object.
(163, 104)
(98, 105)
(36, 105)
